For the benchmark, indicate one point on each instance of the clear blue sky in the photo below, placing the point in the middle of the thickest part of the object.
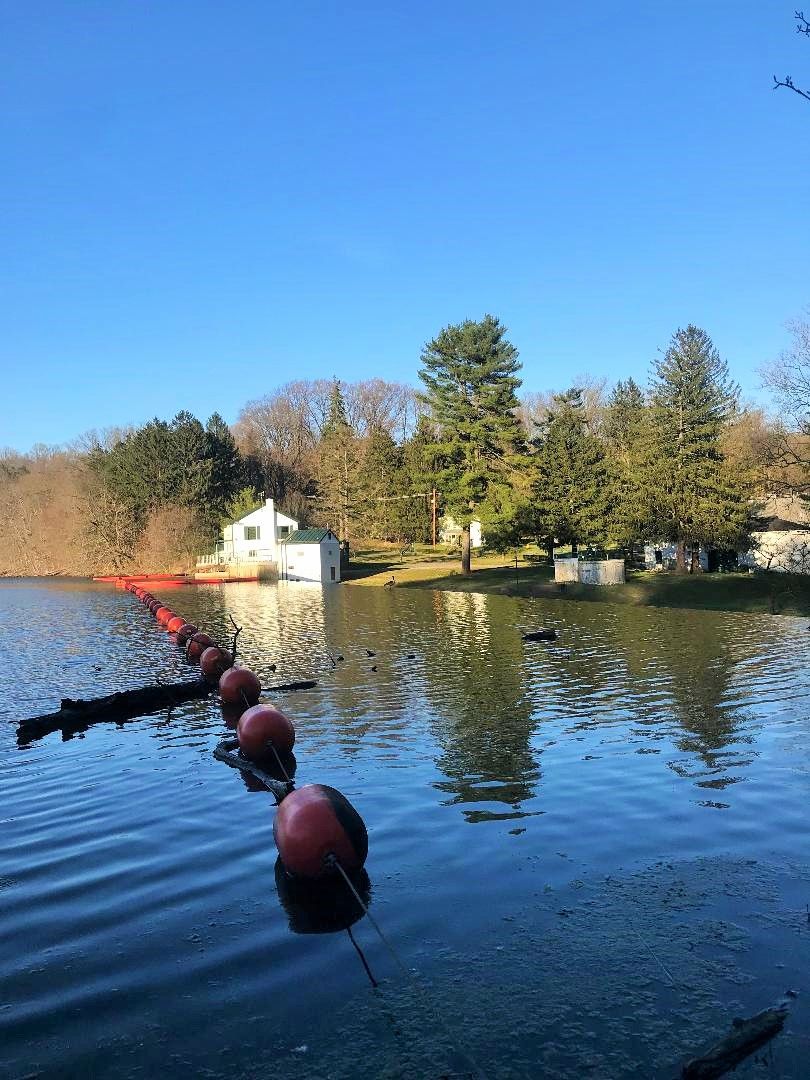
(204, 200)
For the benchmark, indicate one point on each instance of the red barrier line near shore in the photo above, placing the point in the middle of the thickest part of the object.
(169, 581)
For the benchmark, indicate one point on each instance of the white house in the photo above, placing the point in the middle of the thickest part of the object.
(780, 537)
(252, 540)
(310, 555)
(661, 556)
(450, 532)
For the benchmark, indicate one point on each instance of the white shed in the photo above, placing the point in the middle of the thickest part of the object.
(310, 555)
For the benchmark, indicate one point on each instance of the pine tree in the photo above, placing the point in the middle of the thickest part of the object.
(421, 466)
(570, 478)
(470, 376)
(627, 431)
(380, 483)
(338, 461)
(698, 498)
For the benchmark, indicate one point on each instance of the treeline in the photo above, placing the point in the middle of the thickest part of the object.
(677, 460)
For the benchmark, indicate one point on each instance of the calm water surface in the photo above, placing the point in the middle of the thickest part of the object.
(590, 855)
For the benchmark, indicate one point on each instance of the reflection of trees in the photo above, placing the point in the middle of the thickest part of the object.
(483, 717)
(693, 663)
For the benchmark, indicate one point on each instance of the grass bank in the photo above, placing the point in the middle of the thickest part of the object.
(775, 594)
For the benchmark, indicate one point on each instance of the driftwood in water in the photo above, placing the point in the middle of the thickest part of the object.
(540, 635)
(745, 1037)
(125, 705)
(228, 751)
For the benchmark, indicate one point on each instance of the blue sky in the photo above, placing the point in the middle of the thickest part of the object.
(204, 200)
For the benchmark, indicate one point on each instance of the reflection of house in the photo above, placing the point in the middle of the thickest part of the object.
(780, 536)
(450, 532)
(250, 544)
(310, 555)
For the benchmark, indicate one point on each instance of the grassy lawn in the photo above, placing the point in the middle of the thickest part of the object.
(428, 568)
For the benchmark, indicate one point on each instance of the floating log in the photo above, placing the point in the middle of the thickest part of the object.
(745, 1037)
(228, 751)
(77, 715)
(540, 635)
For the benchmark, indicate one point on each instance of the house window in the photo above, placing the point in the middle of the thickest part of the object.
(252, 554)
(252, 532)
(284, 530)
(332, 572)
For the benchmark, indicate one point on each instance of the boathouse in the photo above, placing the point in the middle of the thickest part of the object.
(250, 547)
(310, 555)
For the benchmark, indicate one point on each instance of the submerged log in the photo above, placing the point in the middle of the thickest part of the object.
(77, 715)
(228, 751)
(745, 1037)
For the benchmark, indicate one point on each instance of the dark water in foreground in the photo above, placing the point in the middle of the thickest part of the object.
(594, 854)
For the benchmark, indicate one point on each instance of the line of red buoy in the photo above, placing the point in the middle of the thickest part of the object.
(315, 825)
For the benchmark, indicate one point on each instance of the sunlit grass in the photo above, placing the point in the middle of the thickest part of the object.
(777, 594)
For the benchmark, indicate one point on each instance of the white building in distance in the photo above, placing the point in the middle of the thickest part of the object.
(450, 532)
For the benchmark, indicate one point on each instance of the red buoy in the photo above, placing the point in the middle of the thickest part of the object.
(214, 662)
(239, 685)
(314, 823)
(173, 625)
(161, 612)
(196, 646)
(166, 618)
(186, 631)
(261, 725)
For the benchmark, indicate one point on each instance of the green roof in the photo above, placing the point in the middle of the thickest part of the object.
(308, 536)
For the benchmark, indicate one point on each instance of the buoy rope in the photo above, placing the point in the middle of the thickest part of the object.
(278, 762)
(363, 960)
(332, 861)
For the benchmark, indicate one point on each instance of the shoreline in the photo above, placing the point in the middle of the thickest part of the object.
(763, 594)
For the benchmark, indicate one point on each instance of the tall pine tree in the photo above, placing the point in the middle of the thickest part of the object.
(570, 479)
(338, 466)
(627, 432)
(698, 497)
(469, 372)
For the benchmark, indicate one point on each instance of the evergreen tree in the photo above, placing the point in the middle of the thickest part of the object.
(229, 473)
(380, 486)
(698, 498)
(627, 432)
(338, 463)
(469, 372)
(570, 478)
(421, 467)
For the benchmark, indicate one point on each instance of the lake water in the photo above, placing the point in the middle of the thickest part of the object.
(590, 856)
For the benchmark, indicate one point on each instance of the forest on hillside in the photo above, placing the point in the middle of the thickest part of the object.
(590, 464)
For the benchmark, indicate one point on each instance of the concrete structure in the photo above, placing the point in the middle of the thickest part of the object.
(250, 547)
(780, 537)
(590, 571)
(450, 532)
(310, 555)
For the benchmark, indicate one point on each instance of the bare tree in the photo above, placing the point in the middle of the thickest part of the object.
(789, 380)
(802, 27)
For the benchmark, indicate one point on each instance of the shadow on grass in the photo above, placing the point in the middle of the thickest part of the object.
(765, 593)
